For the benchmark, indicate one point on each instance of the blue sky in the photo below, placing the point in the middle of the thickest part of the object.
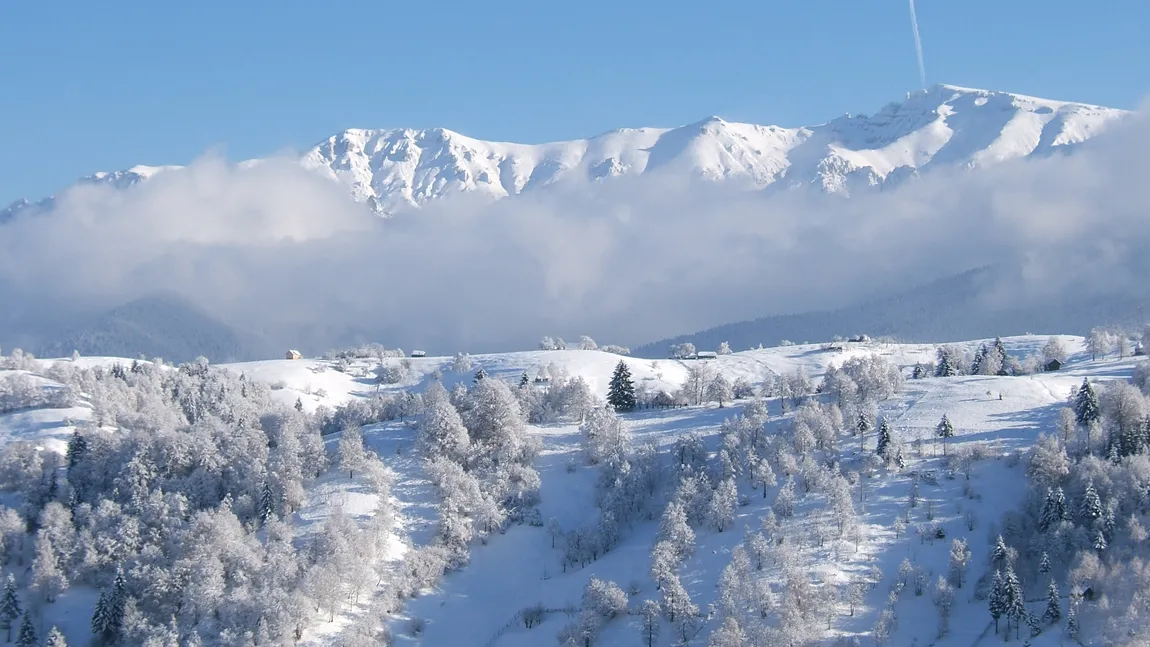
(100, 86)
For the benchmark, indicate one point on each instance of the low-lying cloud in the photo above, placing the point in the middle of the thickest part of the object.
(274, 249)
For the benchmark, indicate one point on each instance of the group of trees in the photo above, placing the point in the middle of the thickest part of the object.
(175, 515)
(585, 343)
(476, 447)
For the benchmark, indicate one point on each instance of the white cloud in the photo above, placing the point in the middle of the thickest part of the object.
(272, 247)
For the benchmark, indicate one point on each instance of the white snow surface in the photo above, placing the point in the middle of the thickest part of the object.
(396, 169)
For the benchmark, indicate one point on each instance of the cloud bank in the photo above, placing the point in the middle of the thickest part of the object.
(274, 249)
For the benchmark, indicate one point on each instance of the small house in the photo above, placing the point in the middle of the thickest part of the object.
(292, 354)
(860, 339)
(706, 354)
(419, 353)
(1052, 365)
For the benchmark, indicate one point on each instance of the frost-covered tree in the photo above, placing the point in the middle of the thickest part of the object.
(719, 390)
(442, 432)
(27, 636)
(10, 608)
(724, 348)
(56, 639)
(48, 578)
(649, 622)
(1053, 611)
(762, 475)
(1049, 464)
(945, 366)
(586, 343)
(461, 363)
(352, 453)
(943, 598)
(945, 431)
(1086, 406)
(885, 441)
(605, 436)
(621, 392)
(785, 500)
(1099, 343)
(1090, 510)
(728, 634)
(1054, 350)
(721, 510)
(959, 559)
(674, 528)
(997, 598)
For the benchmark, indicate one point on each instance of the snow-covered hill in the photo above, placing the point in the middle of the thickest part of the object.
(394, 169)
(996, 421)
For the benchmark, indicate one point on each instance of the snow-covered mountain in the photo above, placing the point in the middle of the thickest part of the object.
(391, 170)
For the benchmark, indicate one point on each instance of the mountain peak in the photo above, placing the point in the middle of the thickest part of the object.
(401, 168)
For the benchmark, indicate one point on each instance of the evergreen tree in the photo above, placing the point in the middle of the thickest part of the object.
(1091, 508)
(1000, 554)
(1100, 541)
(884, 440)
(621, 393)
(997, 600)
(117, 601)
(9, 606)
(945, 366)
(299, 405)
(1062, 514)
(77, 449)
(1071, 622)
(979, 361)
(524, 381)
(945, 431)
(479, 375)
(267, 503)
(1001, 356)
(863, 426)
(1044, 564)
(1086, 407)
(101, 617)
(1053, 509)
(1053, 606)
(1015, 603)
(55, 639)
(27, 633)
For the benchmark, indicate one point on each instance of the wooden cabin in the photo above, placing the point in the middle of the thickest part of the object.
(1052, 365)
(418, 353)
(292, 354)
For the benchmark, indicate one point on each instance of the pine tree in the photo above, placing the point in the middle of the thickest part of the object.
(1001, 356)
(621, 393)
(1044, 564)
(945, 431)
(77, 449)
(101, 617)
(1086, 407)
(55, 639)
(1060, 505)
(1091, 508)
(1071, 622)
(524, 381)
(979, 360)
(863, 426)
(884, 440)
(117, 601)
(1100, 541)
(299, 405)
(9, 606)
(267, 503)
(1000, 554)
(997, 600)
(945, 366)
(480, 374)
(1053, 606)
(1015, 602)
(27, 633)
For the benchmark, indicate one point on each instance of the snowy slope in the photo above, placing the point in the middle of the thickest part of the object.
(478, 605)
(393, 169)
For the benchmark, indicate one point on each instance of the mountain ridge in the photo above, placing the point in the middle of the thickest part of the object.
(392, 170)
